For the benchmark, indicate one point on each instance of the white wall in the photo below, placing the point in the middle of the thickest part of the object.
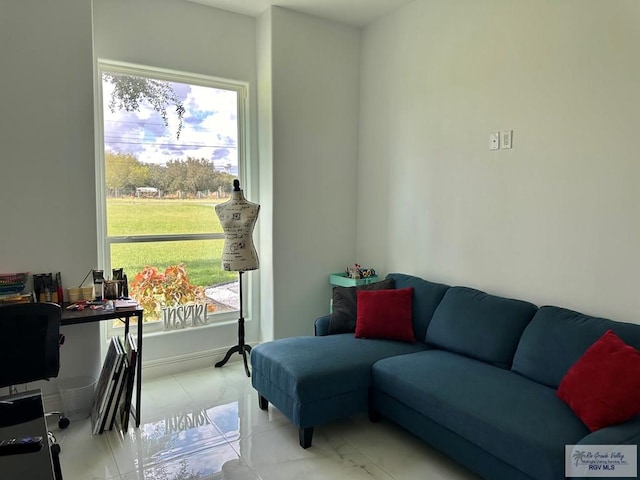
(314, 85)
(46, 154)
(265, 147)
(554, 220)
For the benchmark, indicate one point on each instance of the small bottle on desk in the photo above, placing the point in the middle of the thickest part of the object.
(59, 289)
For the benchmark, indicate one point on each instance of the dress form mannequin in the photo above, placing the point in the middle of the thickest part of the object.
(238, 216)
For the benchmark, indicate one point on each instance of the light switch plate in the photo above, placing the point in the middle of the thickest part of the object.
(494, 140)
(506, 137)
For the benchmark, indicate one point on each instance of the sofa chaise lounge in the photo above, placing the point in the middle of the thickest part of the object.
(480, 382)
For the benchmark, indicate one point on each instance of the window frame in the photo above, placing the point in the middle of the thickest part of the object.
(104, 241)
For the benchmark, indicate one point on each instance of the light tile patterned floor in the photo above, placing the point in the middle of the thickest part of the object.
(206, 424)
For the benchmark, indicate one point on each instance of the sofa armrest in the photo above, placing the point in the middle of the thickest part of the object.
(322, 326)
(627, 433)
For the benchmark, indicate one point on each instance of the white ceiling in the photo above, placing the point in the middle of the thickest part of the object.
(352, 12)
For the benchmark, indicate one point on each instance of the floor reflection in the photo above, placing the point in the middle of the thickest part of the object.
(203, 465)
(206, 425)
(184, 445)
(227, 419)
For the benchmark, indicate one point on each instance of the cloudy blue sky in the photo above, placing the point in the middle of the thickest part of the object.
(209, 131)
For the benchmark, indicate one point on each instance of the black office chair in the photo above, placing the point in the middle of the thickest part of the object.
(30, 342)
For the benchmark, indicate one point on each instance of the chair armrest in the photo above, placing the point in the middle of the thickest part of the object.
(322, 326)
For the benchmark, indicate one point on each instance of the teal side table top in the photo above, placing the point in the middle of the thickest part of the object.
(341, 280)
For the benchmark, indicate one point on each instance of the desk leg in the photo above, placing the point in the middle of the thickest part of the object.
(126, 327)
(139, 373)
(55, 459)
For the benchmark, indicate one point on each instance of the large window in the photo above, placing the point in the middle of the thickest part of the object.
(173, 144)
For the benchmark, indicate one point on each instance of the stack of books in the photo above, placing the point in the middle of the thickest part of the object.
(114, 391)
(26, 297)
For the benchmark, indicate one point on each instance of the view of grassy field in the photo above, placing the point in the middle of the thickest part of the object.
(146, 216)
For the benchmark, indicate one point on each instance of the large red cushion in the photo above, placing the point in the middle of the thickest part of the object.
(385, 314)
(603, 386)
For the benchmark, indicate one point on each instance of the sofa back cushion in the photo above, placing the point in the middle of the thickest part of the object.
(426, 297)
(479, 325)
(556, 338)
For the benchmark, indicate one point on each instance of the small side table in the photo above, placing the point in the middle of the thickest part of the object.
(341, 280)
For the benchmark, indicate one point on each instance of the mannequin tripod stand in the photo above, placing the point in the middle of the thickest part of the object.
(240, 348)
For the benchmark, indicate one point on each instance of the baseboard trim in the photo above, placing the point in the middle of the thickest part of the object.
(183, 363)
(163, 367)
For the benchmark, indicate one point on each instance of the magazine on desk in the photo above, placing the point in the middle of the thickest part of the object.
(125, 303)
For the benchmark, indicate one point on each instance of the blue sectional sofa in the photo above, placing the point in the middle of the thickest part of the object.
(479, 383)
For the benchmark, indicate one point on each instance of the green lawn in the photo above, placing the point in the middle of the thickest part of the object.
(139, 216)
(134, 216)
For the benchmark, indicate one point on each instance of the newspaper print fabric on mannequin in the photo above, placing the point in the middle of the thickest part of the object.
(238, 217)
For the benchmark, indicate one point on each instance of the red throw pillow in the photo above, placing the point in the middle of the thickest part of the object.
(385, 314)
(603, 386)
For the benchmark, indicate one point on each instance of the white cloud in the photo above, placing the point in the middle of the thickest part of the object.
(209, 122)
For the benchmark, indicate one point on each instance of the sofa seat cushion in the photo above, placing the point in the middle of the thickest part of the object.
(519, 421)
(311, 368)
(478, 325)
(557, 337)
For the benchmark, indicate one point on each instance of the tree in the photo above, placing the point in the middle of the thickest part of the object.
(175, 175)
(200, 175)
(130, 91)
(158, 177)
(124, 172)
(222, 180)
